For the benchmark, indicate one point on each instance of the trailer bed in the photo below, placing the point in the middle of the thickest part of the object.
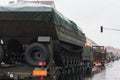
(15, 71)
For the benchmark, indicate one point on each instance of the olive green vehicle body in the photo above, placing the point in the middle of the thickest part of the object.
(99, 55)
(31, 22)
(27, 23)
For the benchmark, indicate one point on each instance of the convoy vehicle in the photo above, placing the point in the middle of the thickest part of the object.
(87, 57)
(99, 54)
(37, 43)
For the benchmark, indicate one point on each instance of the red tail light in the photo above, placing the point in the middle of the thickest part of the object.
(42, 63)
(41, 78)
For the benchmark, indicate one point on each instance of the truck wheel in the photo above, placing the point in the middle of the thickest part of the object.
(36, 53)
(1, 53)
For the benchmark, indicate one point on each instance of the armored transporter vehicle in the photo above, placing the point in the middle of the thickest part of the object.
(37, 42)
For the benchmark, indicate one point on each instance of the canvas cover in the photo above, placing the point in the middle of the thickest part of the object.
(38, 21)
(38, 13)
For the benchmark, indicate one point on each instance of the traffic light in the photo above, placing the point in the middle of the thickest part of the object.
(101, 29)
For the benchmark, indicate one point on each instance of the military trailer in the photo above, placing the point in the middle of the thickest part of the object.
(37, 43)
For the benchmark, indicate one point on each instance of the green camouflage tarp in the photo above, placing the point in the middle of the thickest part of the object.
(38, 13)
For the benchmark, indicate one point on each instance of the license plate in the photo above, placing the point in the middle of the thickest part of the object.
(39, 73)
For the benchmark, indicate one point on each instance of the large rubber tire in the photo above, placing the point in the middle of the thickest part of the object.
(1, 53)
(36, 53)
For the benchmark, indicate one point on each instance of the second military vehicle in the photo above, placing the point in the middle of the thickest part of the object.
(99, 54)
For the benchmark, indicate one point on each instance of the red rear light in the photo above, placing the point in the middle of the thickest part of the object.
(42, 63)
(41, 78)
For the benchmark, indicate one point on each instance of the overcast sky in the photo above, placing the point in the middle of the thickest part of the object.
(90, 15)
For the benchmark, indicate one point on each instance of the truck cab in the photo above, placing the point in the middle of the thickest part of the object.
(99, 54)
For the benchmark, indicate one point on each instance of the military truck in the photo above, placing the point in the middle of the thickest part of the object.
(99, 54)
(38, 42)
(87, 58)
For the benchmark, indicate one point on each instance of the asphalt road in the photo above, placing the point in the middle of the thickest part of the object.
(112, 72)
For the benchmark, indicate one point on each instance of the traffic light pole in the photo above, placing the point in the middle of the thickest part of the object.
(101, 29)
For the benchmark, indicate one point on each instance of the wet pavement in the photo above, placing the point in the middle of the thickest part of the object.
(112, 72)
(98, 76)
